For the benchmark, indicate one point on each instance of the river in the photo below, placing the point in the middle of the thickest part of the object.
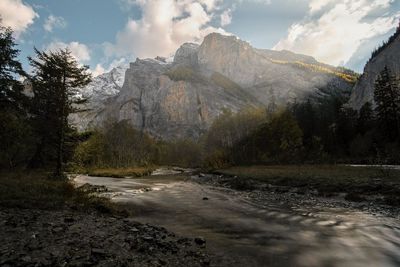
(240, 232)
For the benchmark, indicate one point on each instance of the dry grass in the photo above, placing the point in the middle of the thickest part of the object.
(34, 190)
(326, 179)
(325, 173)
(121, 172)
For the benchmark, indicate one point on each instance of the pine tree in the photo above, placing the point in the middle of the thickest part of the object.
(387, 99)
(365, 120)
(10, 88)
(56, 78)
(16, 139)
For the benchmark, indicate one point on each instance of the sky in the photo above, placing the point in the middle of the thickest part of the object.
(106, 33)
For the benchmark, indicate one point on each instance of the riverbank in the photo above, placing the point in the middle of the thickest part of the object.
(131, 172)
(361, 185)
(51, 223)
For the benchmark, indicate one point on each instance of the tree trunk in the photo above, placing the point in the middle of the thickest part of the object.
(59, 166)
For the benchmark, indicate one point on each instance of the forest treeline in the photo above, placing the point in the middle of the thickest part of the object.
(321, 129)
(35, 131)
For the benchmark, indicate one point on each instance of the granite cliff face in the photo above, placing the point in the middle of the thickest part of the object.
(182, 98)
(388, 55)
(99, 92)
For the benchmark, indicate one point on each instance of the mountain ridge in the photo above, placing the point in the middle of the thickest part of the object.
(181, 98)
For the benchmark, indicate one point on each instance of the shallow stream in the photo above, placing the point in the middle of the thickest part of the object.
(242, 233)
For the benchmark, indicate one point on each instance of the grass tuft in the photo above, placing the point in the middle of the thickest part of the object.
(34, 190)
(121, 172)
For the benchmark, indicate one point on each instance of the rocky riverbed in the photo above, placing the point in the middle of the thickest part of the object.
(257, 226)
(261, 193)
(71, 238)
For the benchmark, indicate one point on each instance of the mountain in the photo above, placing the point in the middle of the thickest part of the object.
(387, 55)
(99, 92)
(181, 98)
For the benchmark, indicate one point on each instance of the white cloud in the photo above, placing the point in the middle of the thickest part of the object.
(316, 5)
(80, 51)
(164, 26)
(98, 70)
(340, 30)
(226, 17)
(54, 22)
(17, 15)
(265, 2)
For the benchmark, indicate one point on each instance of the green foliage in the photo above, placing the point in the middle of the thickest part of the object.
(181, 152)
(91, 152)
(17, 141)
(252, 136)
(15, 131)
(56, 78)
(11, 96)
(227, 131)
(116, 145)
(283, 137)
(217, 159)
(322, 117)
(387, 99)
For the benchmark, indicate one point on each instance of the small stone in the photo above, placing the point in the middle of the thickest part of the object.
(26, 259)
(57, 229)
(205, 198)
(98, 251)
(134, 230)
(200, 241)
(69, 220)
(147, 238)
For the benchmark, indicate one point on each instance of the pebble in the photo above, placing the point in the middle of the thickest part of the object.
(82, 239)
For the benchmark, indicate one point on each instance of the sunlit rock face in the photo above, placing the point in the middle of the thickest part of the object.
(364, 90)
(182, 98)
(169, 108)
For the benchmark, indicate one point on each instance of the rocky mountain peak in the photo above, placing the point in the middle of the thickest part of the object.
(187, 54)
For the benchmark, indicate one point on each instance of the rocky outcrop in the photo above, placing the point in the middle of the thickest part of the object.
(182, 98)
(388, 55)
(187, 54)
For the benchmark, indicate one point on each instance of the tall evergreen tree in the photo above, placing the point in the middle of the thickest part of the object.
(16, 139)
(10, 68)
(387, 98)
(56, 78)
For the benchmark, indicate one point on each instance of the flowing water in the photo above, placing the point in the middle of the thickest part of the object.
(242, 233)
